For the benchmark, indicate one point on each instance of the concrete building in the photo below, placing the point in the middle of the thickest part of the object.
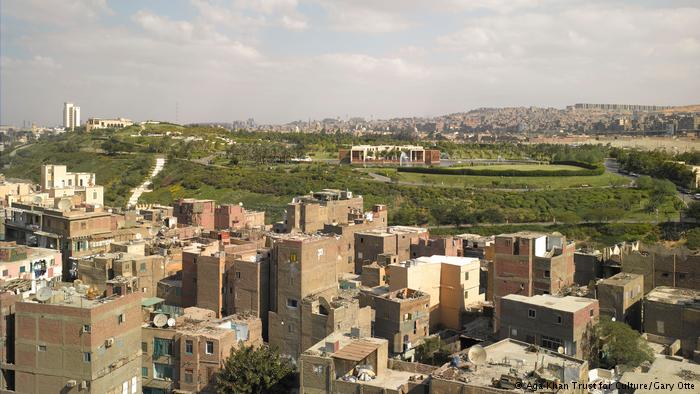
(97, 123)
(662, 266)
(58, 183)
(96, 271)
(529, 264)
(451, 282)
(71, 116)
(447, 246)
(75, 343)
(549, 321)
(620, 296)
(192, 212)
(394, 240)
(532, 367)
(479, 246)
(308, 214)
(380, 154)
(402, 317)
(343, 364)
(664, 372)
(11, 190)
(301, 266)
(20, 262)
(234, 216)
(185, 356)
(674, 313)
(587, 266)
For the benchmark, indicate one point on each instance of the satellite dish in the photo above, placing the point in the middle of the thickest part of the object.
(477, 355)
(171, 322)
(560, 349)
(77, 282)
(65, 204)
(160, 320)
(44, 294)
(37, 200)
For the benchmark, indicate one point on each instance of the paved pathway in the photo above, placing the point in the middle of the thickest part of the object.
(160, 163)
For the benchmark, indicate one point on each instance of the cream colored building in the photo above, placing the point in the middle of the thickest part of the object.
(97, 123)
(11, 190)
(452, 283)
(57, 182)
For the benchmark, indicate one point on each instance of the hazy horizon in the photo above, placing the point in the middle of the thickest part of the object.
(284, 60)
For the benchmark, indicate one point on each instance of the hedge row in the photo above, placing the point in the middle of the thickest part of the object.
(585, 170)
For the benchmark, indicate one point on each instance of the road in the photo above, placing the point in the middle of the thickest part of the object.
(134, 199)
(612, 166)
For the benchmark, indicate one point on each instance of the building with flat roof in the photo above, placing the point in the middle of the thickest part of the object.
(71, 116)
(392, 240)
(59, 183)
(193, 212)
(451, 282)
(309, 213)
(389, 154)
(674, 313)
(73, 343)
(529, 263)
(549, 321)
(620, 296)
(234, 216)
(21, 262)
(99, 123)
(509, 363)
(664, 372)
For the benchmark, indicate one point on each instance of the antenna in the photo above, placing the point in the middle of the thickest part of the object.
(171, 322)
(44, 294)
(160, 320)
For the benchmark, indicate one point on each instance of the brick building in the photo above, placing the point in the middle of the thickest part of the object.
(27, 263)
(74, 343)
(395, 240)
(309, 213)
(401, 316)
(674, 313)
(451, 282)
(549, 321)
(529, 264)
(662, 266)
(192, 212)
(234, 216)
(447, 246)
(620, 296)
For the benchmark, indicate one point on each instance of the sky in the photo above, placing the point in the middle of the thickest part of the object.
(283, 60)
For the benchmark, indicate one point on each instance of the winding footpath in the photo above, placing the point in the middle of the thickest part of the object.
(160, 163)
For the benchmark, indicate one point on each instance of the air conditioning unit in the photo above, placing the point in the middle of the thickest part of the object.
(109, 342)
(71, 383)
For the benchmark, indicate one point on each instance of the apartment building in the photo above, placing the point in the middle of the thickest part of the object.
(96, 271)
(71, 116)
(10, 190)
(184, 354)
(401, 316)
(451, 282)
(620, 296)
(395, 240)
(447, 246)
(73, 343)
(234, 216)
(662, 266)
(203, 264)
(375, 219)
(21, 262)
(309, 213)
(323, 315)
(549, 321)
(528, 264)
(301, 265)
(674, 313)
(192, 212)
(479, 246)
(58, 182)
(247, 285)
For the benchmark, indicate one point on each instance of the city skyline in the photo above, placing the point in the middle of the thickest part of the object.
(198, 61)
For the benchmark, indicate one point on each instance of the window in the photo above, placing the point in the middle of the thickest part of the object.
(550, 343)
(407, 316)
(144, 372)
(590, 313)
(87, 357)
(547, 274)
(210, 347)
(162, 347)
(162, 371)
(292, 303)
(238, 274)
(87, 328)
(120, 318)
(41, 348)
(290, 328)
(531, 313)
(660, 326)
(559, 319)
(134, 385)
(514, 332)
(83, 225)
(94, 195)
(144, 347)
(143, 267)
(466, 276)
(188, 375)
(5, 272)
(188, 346)
(466, 294)
(22, 269)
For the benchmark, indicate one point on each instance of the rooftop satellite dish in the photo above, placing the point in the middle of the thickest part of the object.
(65, 204)
(77, 282)
(560, 349)
(477, 355)
(171, 322)
(44, 294)
(37, 200)
(160, 320)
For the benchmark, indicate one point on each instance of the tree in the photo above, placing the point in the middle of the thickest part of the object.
(254, 370)
(619, 345)
(693, 237)
(693, 210)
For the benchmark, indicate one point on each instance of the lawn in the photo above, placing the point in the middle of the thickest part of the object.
(520, 167)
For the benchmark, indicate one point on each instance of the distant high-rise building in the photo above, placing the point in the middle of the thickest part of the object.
(71, 116)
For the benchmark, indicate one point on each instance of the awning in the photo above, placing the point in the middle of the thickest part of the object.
(356, 351)
(151, 301)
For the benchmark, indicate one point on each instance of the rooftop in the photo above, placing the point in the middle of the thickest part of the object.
(565, 304)
(620, 279)
(438, 259)
(666, 370)
(514, 358)
(675, 295)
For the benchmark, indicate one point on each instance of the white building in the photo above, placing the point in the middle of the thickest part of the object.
(58, 182)
(97, 123)
(71, 116)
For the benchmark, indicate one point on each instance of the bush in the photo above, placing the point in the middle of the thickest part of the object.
(693, 237)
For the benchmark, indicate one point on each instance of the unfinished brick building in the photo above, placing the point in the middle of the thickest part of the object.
(310, 213)
(192, 212)
(395, 240)
(528, 264)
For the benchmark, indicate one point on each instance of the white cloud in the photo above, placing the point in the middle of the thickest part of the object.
(363, 18)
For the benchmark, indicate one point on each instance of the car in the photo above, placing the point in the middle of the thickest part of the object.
(634, 174)
(697, 196)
